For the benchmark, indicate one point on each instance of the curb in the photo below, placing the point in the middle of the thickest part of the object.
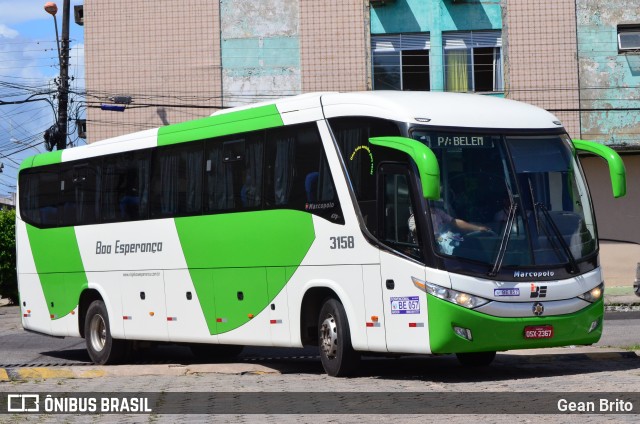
(83, 372)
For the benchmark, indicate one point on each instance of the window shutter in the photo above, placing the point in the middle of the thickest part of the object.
(471, 39)
(399, 42)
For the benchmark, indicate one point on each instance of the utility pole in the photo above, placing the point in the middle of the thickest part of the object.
(57, 134)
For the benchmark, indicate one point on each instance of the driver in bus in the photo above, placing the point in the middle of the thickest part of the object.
(447, 229)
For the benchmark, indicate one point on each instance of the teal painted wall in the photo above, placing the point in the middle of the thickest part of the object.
(435, 16)
(260, 50)
(608, 79)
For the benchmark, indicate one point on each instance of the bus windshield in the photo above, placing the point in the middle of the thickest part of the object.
(509, 200)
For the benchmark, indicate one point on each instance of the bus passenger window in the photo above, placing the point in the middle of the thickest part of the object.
(125, 192)
(39, 193)
(297, 173)
(177, 177)
(234, 173)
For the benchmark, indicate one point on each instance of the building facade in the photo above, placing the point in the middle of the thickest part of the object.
(184, 60)
(437, 45)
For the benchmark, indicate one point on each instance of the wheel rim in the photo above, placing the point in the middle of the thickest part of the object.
(329, 337)
(98, 333)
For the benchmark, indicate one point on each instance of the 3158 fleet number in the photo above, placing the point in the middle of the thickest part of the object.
(343, 242)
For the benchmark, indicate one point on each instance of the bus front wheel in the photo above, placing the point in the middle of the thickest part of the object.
(336, 353)
(476, 359)
(102, 348)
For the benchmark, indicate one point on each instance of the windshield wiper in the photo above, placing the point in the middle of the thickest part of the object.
(558, 234)
(504, 240)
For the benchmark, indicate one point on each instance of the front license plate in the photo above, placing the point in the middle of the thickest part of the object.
(538, 332)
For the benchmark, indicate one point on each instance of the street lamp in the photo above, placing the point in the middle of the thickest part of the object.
(51, 8)
(58, 132)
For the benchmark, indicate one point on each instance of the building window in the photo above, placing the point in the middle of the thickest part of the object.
(473, 61)
(401, 62)
(628, 38)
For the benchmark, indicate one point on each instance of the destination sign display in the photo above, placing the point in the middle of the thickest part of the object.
(457, 141)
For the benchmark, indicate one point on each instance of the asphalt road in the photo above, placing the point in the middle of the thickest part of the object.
(19, 348)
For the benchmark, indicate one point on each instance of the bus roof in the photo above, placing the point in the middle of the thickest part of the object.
(426, 108)
(441, 109)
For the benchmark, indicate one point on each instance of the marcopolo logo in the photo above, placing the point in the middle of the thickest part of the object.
(533, 274)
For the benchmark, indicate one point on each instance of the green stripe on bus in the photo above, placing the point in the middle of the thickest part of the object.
(219, 125)
(237, 261)
(59, 265)
(48, 158)
(492, 333)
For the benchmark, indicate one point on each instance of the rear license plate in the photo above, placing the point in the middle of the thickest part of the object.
(538, 332)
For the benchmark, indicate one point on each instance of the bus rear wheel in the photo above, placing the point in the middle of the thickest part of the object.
(336, 352)
(476, 359)
(102, 348)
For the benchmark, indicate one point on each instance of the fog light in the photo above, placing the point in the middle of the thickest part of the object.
(465, 333)
(595, 324)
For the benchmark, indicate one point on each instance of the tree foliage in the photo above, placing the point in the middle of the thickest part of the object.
(8, 276)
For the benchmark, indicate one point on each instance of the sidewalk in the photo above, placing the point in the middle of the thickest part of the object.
(619, 262)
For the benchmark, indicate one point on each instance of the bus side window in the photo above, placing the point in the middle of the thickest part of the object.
(362, 159)
(125, 187)
(399, 222)
(79, 194)
(234, 169)
(39, 193)
(177, 177)
(298, 175)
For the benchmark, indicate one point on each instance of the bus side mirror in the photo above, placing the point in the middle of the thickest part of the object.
(616, 165)
(424, 158)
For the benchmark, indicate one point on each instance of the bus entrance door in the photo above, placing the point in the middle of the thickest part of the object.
(405, 306)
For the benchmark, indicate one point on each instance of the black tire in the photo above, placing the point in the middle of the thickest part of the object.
(476, 359)
(215, 352)
(636, 288)
(102, 348)
(334, 339)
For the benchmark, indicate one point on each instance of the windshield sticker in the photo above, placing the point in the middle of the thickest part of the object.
(405, 305)
(367, 150)
(506, 292)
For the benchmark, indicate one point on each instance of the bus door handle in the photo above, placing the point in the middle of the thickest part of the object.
(391, 284)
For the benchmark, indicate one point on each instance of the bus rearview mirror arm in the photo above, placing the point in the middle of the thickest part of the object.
(616, 165)
(424, 158)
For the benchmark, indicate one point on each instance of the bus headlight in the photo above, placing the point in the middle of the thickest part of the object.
(594, 294)
(459, 298)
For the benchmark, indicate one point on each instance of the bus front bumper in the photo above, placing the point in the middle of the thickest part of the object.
(490, 333)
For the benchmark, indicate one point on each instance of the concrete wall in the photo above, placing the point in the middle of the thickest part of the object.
(260, 50)
(617, 219)
(435, 16)
(334, 42)
(163, 53)
(541, 67)
(608, 80)
(184, 60)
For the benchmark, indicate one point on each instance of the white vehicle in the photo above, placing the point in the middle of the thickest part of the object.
(393, 222)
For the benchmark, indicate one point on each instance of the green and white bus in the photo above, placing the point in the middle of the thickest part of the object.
(388, 222)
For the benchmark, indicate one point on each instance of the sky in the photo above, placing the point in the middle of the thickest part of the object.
(28, 66)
